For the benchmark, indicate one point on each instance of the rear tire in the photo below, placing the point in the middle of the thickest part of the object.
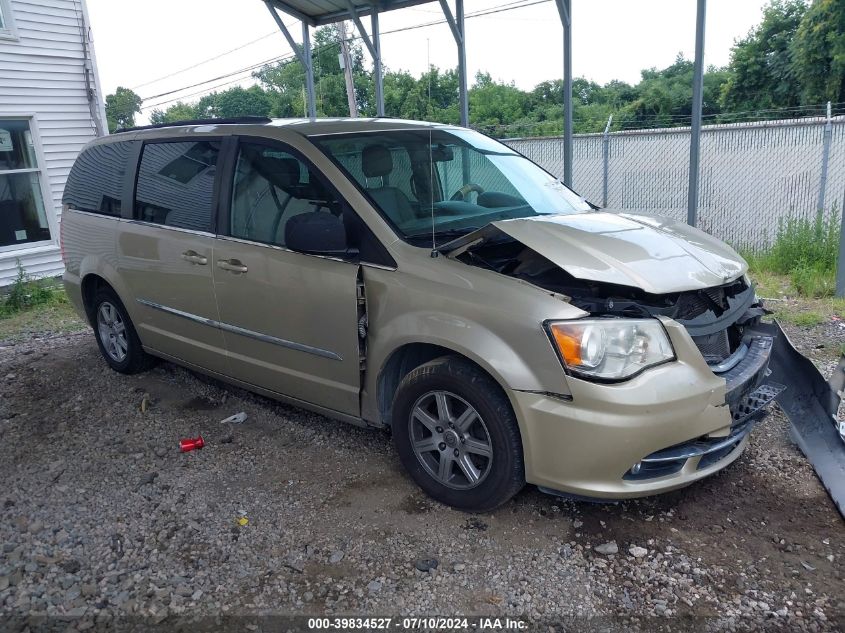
(457, 436)
(116, 336)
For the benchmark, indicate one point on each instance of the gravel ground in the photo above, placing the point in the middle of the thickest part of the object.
(292, 513)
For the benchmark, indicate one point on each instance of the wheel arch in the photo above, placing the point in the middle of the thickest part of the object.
(89, 286)
(404, 360)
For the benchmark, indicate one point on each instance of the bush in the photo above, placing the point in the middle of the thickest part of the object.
(813, 281)
(26, 292)
(801, 242)
(805, 250)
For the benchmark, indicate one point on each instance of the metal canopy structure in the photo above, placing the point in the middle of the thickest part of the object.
(314, 13)
(321, 12)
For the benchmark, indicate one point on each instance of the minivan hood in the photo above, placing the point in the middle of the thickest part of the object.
(655, 254)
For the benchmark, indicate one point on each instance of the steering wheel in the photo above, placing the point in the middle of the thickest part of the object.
(463, 192)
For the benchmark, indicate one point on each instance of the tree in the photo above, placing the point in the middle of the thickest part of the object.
(761, 69)
(121, 108)
(493, 104)
(234, 102)
(665, 96)
(179, 111)
(818, 52)
(286, 79)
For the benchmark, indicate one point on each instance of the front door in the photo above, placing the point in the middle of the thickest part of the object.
(166, 253)
(290, 320)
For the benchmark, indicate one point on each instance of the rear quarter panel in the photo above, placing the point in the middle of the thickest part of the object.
(88, 241)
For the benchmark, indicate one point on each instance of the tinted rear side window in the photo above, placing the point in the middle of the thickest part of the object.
(176, 184)
(95, 182)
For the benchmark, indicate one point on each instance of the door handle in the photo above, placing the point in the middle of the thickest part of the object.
(194, 258)
(232, 265)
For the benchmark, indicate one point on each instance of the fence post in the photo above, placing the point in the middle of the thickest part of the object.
(840, 268)
(828, 132)
(605, 146)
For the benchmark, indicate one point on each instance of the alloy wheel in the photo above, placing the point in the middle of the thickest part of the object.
(112, 332)
(450, 440)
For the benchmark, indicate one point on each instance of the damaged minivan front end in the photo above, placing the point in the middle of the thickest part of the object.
(667, 368)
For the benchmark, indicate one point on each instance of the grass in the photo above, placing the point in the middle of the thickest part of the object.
(56, 319)
(35, 306)
(790, 305)
(808, 319)
(805, 251)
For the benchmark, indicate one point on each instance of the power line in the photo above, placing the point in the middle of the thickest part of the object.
(207, 81)
(518, 4)
(289, 57)
(205, 61)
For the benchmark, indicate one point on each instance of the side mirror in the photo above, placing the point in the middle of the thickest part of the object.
(317, 233)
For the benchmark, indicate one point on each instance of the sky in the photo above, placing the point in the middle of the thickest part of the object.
(138, 45)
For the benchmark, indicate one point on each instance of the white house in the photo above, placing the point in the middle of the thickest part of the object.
(50, 106)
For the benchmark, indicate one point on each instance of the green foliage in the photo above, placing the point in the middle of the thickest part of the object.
(121, 108)
(180, 111)
(813, 281)
(794, 57)
(804, 250)
(807, 319)
(665, 96)
(818, 52)
(26, 292)
(806, 243)
(761, 72)
(234, 102)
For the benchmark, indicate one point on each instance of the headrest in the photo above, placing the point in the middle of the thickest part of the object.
(315, 231)
(376, 160)
(282, 172)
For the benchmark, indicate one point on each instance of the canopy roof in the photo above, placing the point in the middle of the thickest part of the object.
(320, 12)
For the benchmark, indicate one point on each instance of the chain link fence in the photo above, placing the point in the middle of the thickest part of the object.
(752, 174)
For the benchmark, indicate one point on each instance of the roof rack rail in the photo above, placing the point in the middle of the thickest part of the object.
(255, 120)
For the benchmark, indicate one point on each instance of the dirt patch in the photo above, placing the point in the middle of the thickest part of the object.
(102, 515)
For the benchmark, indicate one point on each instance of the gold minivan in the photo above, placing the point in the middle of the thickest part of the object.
(426, 279)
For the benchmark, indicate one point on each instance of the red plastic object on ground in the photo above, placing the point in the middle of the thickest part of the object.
(190, 444)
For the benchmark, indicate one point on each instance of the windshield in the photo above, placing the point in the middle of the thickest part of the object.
(448, 182)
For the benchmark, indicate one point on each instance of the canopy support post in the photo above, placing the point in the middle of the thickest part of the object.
(374, 46)
(695, 131)
(309, 72)
(377, 67)
(564, 7)
(457, 25)
(302, 53)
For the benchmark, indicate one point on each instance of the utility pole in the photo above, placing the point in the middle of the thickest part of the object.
(346, 65)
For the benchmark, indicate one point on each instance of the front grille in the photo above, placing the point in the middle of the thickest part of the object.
(714, 347)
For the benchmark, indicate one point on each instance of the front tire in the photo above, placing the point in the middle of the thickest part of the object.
(116, 336)
(457, 436)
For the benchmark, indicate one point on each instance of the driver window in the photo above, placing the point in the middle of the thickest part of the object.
(272, 186)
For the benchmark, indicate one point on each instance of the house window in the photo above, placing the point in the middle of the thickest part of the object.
(7, 27)
(23, 218)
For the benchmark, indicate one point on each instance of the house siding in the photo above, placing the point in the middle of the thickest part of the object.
(42, 74)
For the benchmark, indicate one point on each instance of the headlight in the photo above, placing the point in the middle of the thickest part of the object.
(610, 349)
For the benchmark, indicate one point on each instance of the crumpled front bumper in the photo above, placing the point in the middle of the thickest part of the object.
(665, 429)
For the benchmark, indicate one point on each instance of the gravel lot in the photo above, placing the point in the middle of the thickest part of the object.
(103, 518)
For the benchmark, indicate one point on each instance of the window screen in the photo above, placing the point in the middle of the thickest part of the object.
(95, 182)
(272, 186)
(176, 184)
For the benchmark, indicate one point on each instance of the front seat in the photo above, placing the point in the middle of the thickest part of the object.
(377, 162)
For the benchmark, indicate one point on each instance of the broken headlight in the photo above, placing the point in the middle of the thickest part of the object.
(610, 349)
